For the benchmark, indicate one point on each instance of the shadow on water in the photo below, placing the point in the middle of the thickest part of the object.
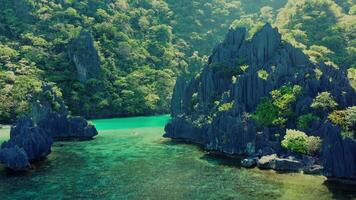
(35, 167)
(211, 157)
(219, 159)
(10, 173)
(341, 190)
(337, 189)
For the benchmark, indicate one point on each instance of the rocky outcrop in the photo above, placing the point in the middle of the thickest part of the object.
(14, 158)
(56, 121)
(213, 109)
(85, 57)
(249, 162)
(31, 137)
(28, 143)
(279, 164)
(65, 127)
(339, 154)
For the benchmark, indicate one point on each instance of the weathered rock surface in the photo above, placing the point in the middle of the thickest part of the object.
(264, 161)
(279, 164)
(56, 122)
(197, 102)
(314, 169)
(35, 142)
(28, 143)
(14, 158)
(249, 162)
(64, 127)
(31, 137)
(339, 154)
(85, 57)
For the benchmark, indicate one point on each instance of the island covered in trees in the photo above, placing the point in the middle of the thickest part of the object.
(270, 81)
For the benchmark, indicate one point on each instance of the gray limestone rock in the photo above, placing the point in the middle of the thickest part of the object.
(85, 57)
(197, 103)
(14, 158)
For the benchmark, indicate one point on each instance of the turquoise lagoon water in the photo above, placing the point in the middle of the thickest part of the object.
(129, 159)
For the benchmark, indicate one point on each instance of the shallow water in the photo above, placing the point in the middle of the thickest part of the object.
(130, 160)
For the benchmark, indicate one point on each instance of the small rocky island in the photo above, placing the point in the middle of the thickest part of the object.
(265, 100)
(32, 136)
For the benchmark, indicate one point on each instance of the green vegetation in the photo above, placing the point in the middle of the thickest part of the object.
(226, 107)
(324, 101)
(244, 68)
(346, 119)
(323, 28)
(266, 113)
(295, 141)
(314, 145)
(277, 109)
(263, 74)
(144, 45)
(305, 120)
(298, 142)
(14, 91)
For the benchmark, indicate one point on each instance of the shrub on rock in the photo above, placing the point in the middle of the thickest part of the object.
(314, 145)
(298, 142)
(346, 119)
(324, 101)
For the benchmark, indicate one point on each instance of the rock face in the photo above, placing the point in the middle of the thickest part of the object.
(55, 120)
(85, 57)
(339, 154)
(64, 127)
(28, 143)
(14, 158)
(279, 164)
(249, 162)
(213, 108)
(31, 137)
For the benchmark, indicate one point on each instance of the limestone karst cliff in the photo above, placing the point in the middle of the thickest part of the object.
(214, 108)
(50, 114)
(85, 57)
(32, 136)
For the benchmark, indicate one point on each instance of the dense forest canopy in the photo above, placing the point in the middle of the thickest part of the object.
(139, 47)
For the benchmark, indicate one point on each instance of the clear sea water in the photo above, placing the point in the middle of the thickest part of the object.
(129, 159)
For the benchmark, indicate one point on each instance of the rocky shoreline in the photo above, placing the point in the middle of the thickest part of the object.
(217, 108)
(32, 136)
